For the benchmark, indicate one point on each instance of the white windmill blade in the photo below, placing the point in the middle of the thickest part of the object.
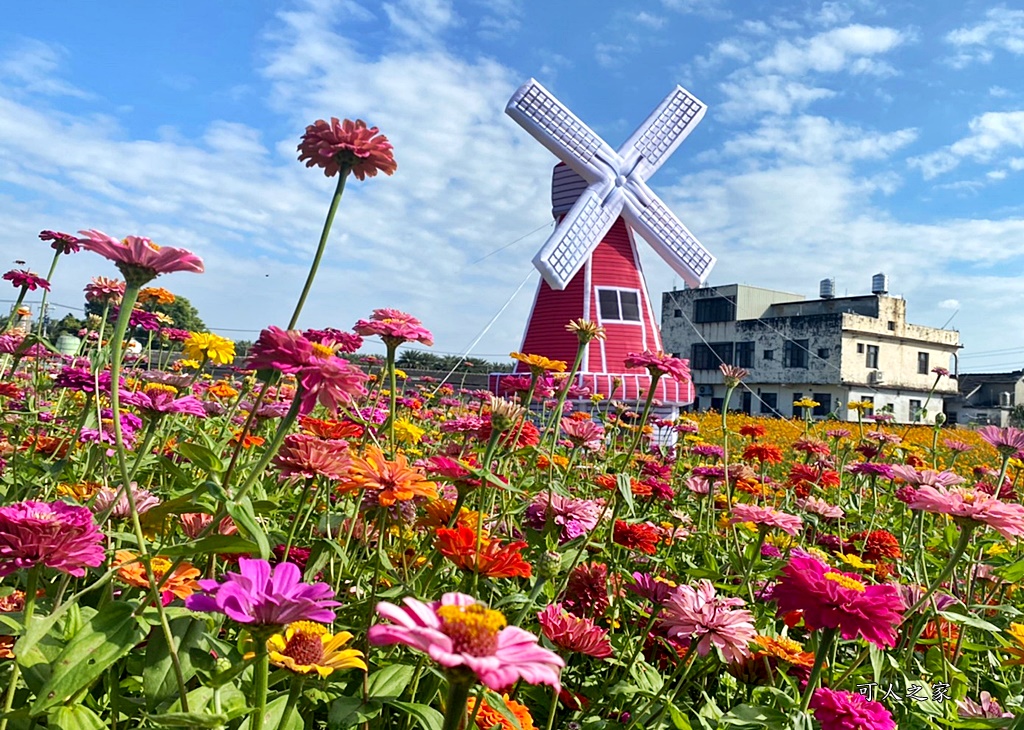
(650, 217)
(663, 131)
(554, 126)
(577, 235)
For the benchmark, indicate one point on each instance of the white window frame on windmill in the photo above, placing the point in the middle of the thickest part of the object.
(619, 292)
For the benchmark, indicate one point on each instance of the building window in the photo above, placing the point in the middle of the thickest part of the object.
(871, 360)
(915, 410)
(715, 309)
(922, 363)
(823, 353)
(769, 403)
(710, 356)
(769, 354)
(824, 401)
(678, 313)
(860, 348)
(892, 326)
(869, 411)
(619, 305)
(745, 354)
(794, 354)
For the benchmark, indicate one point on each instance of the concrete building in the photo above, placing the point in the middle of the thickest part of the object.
(834, 350)
(986, 398)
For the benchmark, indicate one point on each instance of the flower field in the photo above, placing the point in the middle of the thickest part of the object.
(307, 538)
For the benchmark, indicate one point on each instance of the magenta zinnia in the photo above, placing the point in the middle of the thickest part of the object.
(27, 280)
(138, 258)
(347, 145)
(574, 633)
(394, 327)
(62, 242)
(1007, 441)
(459, 632)
(837, 710)
(331, 382)
(831, 599)
(709, 619)
(287, 351)
(56, 535)
(658, 364)
(260, 596)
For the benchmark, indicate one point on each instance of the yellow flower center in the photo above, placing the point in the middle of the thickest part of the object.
(472, 629)
(157, 387)
(322, 352)
(846, 582)
(305, 643)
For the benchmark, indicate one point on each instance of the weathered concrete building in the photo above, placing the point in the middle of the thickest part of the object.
(986, 398)
(834, 350)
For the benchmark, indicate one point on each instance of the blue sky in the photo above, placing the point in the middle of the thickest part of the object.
(842, 139)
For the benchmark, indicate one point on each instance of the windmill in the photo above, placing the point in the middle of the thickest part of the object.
(589, 265)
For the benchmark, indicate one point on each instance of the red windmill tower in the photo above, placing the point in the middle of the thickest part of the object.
(590, 264)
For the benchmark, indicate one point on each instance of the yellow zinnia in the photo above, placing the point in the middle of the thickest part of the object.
(306, 647)
(218, 350)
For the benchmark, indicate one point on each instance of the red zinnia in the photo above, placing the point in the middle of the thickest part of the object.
(636, 536)
(769, 453)
(494, 559)
(347, 145)
(574, 633)
(877, 544)
(586, 593)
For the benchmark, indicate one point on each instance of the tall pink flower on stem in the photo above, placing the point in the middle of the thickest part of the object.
(712, 621)
(574, 633)
(26, 280)
(971, 506)
(286, 351)
(472, 642)
(62, 243)
(138, 258)
(658, 364)
(330, 381)
(49, 534)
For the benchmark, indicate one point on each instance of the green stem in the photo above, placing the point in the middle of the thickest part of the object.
(14, 309)
(294, 692)
(392, 395)
(261, 671)
(31, 586)
(828, 636)
(342, 176)
(455, 706)
(655, 377)
(295, 522)
(46, 293)
(556, 416)
(966, 530)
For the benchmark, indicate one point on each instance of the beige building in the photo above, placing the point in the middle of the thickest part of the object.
(834, 350)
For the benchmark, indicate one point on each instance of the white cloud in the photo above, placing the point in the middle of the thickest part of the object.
(33, 66)
(748, 95)
(949, 304)
(990, 133)
(1002, 29)
(422, 21)
(848, 48)
(649, 20)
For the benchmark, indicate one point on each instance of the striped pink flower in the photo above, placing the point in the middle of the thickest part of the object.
(766, 516)
(573, 633)
(138, 258)
(459, 632)
(974, 505)
(709, 619)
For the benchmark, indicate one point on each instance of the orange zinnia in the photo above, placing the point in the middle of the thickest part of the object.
(438, 513)
(180, 584)
(156, 295)
(393, 481)
(222, 390)
(490, 718)
(332, 430)
(494, 559)
(539, 364)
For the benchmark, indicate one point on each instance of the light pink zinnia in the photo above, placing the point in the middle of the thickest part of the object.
(102, 289)
(331, 382)
(712, 620)
(987, 708)
(347, 145)
(926, 477)
(767, 517)
(308, 456)
(573, 633)
(162, 402)
(459, 632)
(194, 523)
(138, 258)
(116, 501)
(394, 327)
(974, 505)
(586, 433)
(56, 535)
(659, 363)
(1007, 441)
(821, 508)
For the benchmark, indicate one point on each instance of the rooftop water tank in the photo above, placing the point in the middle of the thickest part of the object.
(880, 284)
(827, 289)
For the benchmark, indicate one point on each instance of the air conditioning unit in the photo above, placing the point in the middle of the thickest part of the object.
(1005, 400)
(705, 390)
(876, 377)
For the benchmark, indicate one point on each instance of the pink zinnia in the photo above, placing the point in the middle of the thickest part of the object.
(573, 517)
(459, 632)
(767, 517)
(101, 289)
(821, 508)
(573, 633)
(831, 599)
(25, 279)
(1007, 441)
(116, 501)
(160, 402)
(659, 363)
(710, 619)
(63, 242)
(287, 351)
(308, 456)
(347, 145)
(138, 258)
(586, 433)
(926, 477)
(394, 327)
(259, 596)
(837, 710)
(330, 382)
(54, 534)
(193, 524)
(974, 505)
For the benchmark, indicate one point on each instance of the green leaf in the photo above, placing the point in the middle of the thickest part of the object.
(428, 717)
(274, 717)
(390, 681)
(969, 620)
(244, 515)
(75, 717)
(678, 718)
(754, 716)
(350, 711)
(497, 703)
(158, 681)
(212, 545)
(188, 719)
(202, 457)
(623, 482)
(1012, 573)
(102, 640)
